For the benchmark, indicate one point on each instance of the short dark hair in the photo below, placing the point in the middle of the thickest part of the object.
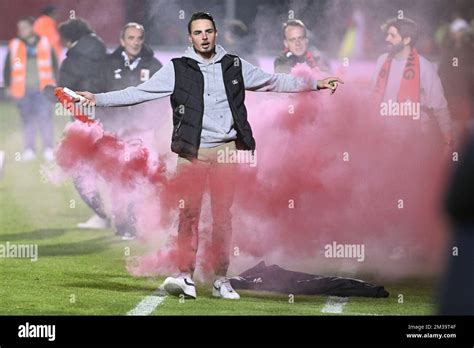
(73, 29)
(29, 19)
(406, 28)
(201, 15)
(293, 23)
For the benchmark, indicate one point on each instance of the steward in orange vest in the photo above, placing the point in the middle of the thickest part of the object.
(29, 68)
(35, 57)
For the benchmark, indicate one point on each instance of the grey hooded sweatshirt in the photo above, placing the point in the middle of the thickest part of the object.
(218, 123)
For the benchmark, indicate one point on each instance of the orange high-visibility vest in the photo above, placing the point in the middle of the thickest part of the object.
(47, 26)
(18, 65)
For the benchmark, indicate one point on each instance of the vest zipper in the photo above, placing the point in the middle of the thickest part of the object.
(178, 126)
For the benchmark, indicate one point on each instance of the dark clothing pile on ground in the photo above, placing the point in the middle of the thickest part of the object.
(276, 279)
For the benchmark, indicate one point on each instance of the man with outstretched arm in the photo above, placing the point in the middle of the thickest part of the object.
(207, 89)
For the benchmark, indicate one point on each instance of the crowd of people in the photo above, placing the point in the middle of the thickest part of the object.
(31, 70)
(35, 64)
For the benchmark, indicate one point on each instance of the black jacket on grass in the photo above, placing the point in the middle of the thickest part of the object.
(276, 279)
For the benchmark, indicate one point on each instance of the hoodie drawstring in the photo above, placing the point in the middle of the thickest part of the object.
(213, 63)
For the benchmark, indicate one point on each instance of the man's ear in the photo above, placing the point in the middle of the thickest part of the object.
(122, 42)
(407, 41)
(190, 39)
(285, 43)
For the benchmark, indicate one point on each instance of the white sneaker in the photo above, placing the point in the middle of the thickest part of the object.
(48, 154)
(28, 155)
(95, 222)
(181, 285)
(128, 236)
(222, 288)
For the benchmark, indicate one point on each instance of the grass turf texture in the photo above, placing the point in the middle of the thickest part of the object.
(82, 272)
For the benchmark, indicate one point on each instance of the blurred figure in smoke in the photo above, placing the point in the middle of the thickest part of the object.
(457, 75)
(354, 44)
(132, 63)
(207, 88)
(45, 25)
(403, 78)
(296, 50)
(30, 66)
(81, 69)
(458, 285)
(238, 41)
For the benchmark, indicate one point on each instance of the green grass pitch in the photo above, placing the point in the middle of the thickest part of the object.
(82, 272)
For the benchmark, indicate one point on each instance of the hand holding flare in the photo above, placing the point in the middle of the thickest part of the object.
(68, 99)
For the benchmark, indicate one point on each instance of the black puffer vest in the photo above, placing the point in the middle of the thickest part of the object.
(187, 102)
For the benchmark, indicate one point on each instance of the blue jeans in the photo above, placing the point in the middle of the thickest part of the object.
(36, 113)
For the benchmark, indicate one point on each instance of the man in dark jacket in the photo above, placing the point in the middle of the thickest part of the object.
(84, 58)
(81, 69)
(455, 297)
(131, 64)
(207, 89)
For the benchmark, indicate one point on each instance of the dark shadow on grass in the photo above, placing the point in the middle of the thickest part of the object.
(267, 295)
(35, 234)
(110, 286)
(102, 276)
(86, 247)
(71, 214)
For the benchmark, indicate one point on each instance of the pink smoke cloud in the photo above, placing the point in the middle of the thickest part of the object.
(329, 168)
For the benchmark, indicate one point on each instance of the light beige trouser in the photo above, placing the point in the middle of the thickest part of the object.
(221, 178)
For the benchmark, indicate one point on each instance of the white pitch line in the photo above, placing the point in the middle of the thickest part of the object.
(335, 304)
(147, 305)
(369, 314)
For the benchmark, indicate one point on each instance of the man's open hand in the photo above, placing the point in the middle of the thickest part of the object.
(330, 83)
(89, 99)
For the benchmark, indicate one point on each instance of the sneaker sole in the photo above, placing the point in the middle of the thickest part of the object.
(217, 294)
(128, 238)
(176, 290)
(87, 227)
